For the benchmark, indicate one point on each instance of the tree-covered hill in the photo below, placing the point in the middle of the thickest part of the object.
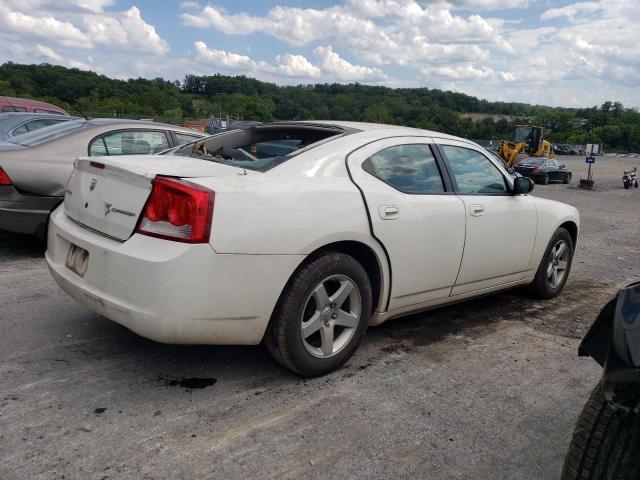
(203, 96)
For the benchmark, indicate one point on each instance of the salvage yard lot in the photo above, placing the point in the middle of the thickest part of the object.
(485, 389)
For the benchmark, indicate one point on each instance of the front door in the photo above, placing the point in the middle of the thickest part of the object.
(414, 214)
(501, 227)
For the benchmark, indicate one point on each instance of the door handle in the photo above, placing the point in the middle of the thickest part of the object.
(476, 210)
(388, 212)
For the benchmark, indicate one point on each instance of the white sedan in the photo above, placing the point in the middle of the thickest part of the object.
(301, 235)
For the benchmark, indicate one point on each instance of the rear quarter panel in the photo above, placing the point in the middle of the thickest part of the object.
(259, 214)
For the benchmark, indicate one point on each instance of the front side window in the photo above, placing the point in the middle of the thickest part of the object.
(129, 142)
(474, 173)
(408, 168)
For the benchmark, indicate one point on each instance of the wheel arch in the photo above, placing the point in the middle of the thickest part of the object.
(571, 227)
(373, 260)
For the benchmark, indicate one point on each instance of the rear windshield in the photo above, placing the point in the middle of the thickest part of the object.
(46, 134)
(534, 162)
(258, 148)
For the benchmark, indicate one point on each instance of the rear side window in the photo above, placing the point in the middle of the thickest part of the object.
(408, 168)
(36, 124)
(129, 142)
(20, 130)
(473, 172)
(33, 125)
(39, 110)
(183, 138)
(13, 109)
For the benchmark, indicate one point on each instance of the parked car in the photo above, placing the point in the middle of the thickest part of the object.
(606, 439)
(11, 104)
(355, 225)
(543, 170)
(35, 167)
(14, 124)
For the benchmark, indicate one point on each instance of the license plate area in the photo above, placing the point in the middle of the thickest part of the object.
(77, 260)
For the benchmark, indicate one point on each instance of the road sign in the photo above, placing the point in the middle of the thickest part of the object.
(591, 159)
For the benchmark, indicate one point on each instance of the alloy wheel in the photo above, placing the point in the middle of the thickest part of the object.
(558, 264)
(331, 316)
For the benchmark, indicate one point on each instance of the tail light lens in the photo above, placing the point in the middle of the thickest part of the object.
(535, 170)
(178, 210)
(4, 178)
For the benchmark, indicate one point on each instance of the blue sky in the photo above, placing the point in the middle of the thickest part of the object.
(537, 51)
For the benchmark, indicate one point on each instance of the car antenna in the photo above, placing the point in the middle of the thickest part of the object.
(79, 111)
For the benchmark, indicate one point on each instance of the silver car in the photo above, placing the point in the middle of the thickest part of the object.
(35, 167)
(17, 123)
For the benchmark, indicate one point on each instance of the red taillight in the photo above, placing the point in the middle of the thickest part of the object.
(97, 165)
(178, 210)
(535, 170)
(4, 178)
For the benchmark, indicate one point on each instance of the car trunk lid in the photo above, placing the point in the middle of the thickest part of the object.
(108, 194)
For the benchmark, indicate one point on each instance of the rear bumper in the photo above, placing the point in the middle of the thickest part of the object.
(167, 291)
(24, 213)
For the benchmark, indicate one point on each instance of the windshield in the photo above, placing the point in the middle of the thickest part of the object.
(522, 133)
(46, 134)
(260, 148)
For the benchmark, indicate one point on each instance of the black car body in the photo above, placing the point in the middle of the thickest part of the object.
(543, 170)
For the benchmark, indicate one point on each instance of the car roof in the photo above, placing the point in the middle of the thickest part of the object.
(377, 127)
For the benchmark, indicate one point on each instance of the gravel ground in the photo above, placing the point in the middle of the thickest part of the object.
(485, 389)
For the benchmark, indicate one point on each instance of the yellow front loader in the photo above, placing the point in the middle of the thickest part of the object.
(527, 140)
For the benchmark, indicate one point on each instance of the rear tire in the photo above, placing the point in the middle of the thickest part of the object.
(301, 310)
(554, 267)
(605, 443)
(626, 185)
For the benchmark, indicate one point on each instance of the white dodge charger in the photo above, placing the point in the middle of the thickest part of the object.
(301, 235)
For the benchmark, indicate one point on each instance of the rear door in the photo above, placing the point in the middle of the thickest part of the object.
(414, 214)
(501, 227)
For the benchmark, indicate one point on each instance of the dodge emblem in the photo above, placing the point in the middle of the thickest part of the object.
(107, 208)
(92, 186)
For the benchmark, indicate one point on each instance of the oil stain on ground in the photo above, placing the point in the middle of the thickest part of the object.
(187, 383)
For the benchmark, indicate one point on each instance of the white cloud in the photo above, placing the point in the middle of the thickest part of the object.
(43, 25)
(126, 30)
(222, 59)
(574, 11)
(48, 53)
(332, 64)
(298, 66)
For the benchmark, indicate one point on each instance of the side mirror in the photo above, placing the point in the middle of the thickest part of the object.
(522, 185)
(562, 166)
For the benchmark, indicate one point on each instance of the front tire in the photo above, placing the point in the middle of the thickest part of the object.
(555, 266)
(321, 316)
(605, 443)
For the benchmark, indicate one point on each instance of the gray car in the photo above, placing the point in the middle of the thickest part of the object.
(18, 123)
(35, 167)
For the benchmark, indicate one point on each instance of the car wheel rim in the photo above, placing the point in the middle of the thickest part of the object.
(558, 264)
(330, 316)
